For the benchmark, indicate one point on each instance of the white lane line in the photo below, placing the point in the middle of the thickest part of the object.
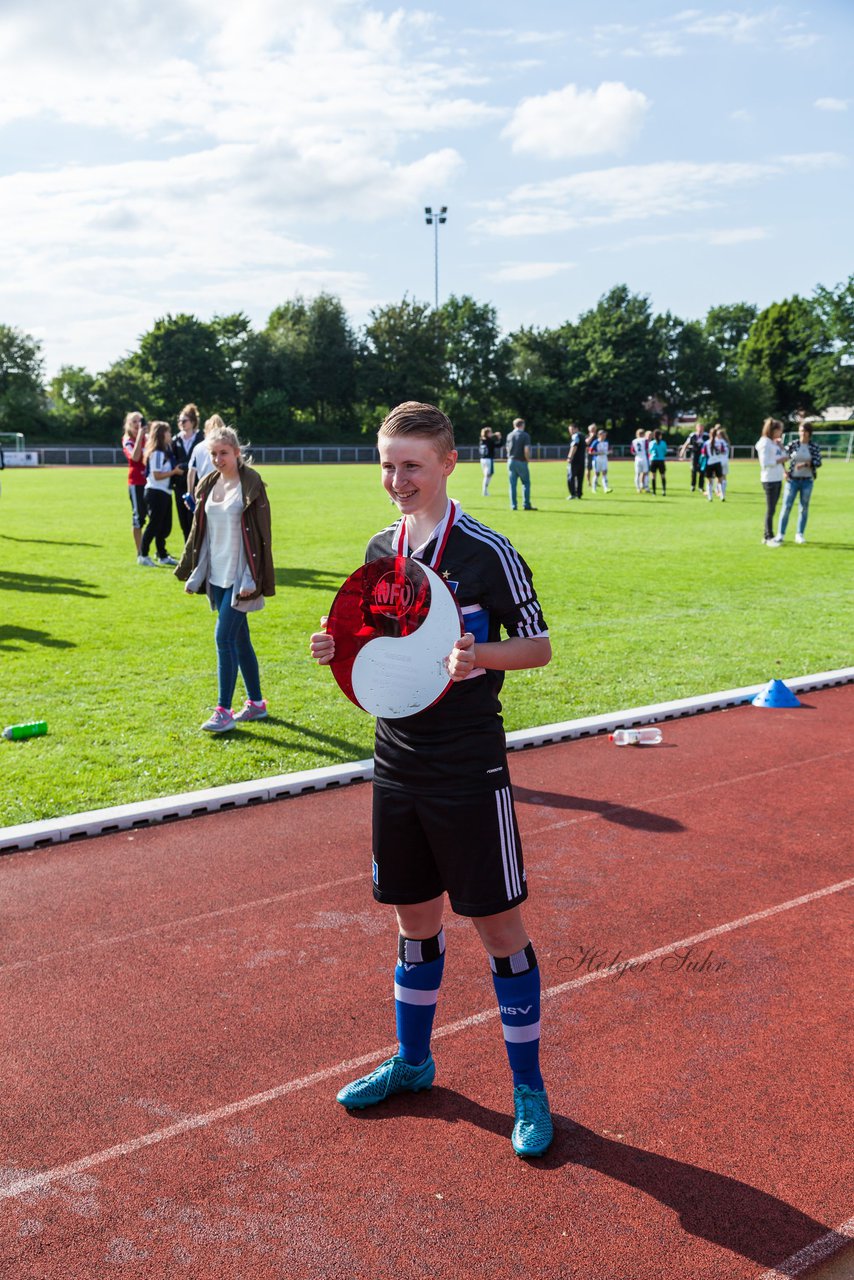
(818, 1251)
(186, 920)
(33, 1182)
(683, 792)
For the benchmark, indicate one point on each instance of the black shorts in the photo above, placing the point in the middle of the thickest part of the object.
(136, 493)
(715, 469)
(658, 465)
(465, 845)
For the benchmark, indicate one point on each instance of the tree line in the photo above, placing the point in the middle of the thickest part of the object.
(309, 375)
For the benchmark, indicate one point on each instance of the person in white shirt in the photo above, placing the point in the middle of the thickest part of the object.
(160, 468)
(600, 460)
(771, 455)
(804, 459)
(640, 453)
(200, 464)
(229, 558)
(714, 451)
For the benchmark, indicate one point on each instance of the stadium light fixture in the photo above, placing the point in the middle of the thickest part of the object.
(435, 220)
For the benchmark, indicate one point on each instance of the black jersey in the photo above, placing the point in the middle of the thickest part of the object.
(458, 743)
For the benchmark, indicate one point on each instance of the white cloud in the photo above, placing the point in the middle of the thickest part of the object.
(516, 272)
(577, 122)
(289, 117)
(709, 236)
(633, 193)
(831, 104)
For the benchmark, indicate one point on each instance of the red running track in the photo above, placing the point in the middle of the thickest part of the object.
(180, 1005)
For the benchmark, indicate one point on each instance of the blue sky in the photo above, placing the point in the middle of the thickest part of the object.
(207, 157)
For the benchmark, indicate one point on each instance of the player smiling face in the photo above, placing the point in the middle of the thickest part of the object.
(415, 475)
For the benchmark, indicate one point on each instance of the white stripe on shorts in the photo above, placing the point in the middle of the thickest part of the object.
(409, 995)
(521, 1035)
(509, 853)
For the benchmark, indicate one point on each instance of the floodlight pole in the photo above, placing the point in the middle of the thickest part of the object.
(434, 219)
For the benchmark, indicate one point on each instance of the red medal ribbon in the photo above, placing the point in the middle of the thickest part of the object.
(401, 539)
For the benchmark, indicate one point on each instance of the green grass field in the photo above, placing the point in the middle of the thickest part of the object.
(647, 599)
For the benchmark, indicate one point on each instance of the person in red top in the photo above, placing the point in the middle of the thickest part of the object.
(133, 443)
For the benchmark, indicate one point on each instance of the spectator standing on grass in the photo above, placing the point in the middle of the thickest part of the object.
(714, 451)
(693, 449)
(518, 449)
(200, 459)
(600, 459)
(183, 444)
(657, 456)
(590, 452)
(160, 468)
(640, 453)
(771, 455)
(489, 442)
(575, 462)
(133, 443)
(229, 556)
(804, 460)
(725, 457)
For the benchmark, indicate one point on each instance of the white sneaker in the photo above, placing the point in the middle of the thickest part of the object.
(145, 560)
(166, 560)
(775, 542)
(220, 722)
(799, 537)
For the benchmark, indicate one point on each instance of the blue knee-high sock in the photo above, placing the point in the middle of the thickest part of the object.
(417, 978)
(516, 980)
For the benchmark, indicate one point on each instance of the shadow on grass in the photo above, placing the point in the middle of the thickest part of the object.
(624, 815)
(831, 546)
(17, 637)
(338, 750)
(50, 542)
(41, 583)
(317, 579)
(711, 1206)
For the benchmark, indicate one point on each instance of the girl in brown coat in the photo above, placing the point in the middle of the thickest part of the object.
(229, 556)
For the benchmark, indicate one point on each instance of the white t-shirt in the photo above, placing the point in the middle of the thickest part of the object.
(159, 461)
(802, 463)
(770, 454)
(224, 537)
(600, 457)
(200, 458)
(640, 449)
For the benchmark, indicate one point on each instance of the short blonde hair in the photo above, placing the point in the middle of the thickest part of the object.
(412, 418)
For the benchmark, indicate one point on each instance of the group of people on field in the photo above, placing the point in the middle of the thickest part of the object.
(709, 453)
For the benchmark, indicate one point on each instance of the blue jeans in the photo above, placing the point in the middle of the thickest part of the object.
(802, 489)
(517, 469)
(233, 649)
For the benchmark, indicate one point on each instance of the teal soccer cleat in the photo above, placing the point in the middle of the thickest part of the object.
(533, 1130)
(390, 1077)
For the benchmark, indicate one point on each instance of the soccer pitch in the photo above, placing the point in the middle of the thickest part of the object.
(646, 598)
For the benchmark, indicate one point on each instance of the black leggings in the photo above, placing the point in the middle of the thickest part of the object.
(772, 489)
(159, 521)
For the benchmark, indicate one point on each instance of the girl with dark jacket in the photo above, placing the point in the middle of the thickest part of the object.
(183, 443)
(229, 556)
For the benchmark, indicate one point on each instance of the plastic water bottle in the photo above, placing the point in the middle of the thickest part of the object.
(30, 730)
(635, 737)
